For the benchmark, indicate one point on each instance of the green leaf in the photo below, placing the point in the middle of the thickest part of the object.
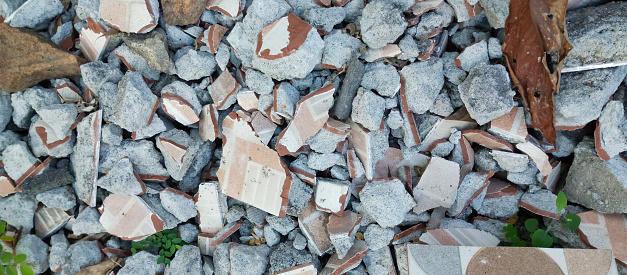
(510, 231)
(177, 240)
(1, 269)
(518, 242)
(168, 254)
(541, 239)
(26, 270)
(177, 246)
(573, 221)
(3, 227)
(560, 202)
(133, 250)
(171, 235)
(167, 245)
(161, 252)
(531, 225)
(159, 234)
(6, 257)
(19, 258)
(7, 238)
(167, 261)
(164, 239)
(158, 244)
(136, 245)
(1, 250)
(172, 249)
(160, 260)
(11, 270)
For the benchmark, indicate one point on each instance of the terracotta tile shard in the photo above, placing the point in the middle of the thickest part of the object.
(550, 181)
(263, 127)
(503, 260)
(437, 185)
(178, 109)
(336, 266)
(68, 92)
(7, 186)
(500, 188)
(510, 126)
(342, 231)
(282, 38)
(212, 37)
(93, 40)
(49, 220)
(86, 157)
(409, 234)
(332, 195)
(134, 16)
(423, 6)
(28, 58)
(339, 3)
(535, 46)
(209, 123)
(231, 8)
(129, 217)
(313, 224)
(355, 168)
(211, 206)
(459, 237)
(374, 55)
(387, 167)
(312, 113)
(487, 140)
(250, 171)
(175, 150)
(248, 100)
(459, 120)
(598, 144)
(324, 3)
(605, 231)
(48, 136)
(303, 269)
(207, 242)
(538, 157)
(223, 90)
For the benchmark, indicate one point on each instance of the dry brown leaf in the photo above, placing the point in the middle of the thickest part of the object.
(102, 268)
(535, 46)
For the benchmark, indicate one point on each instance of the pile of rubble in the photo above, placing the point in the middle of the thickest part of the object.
(302, 137)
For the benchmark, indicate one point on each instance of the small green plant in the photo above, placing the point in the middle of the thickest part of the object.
(7, 257)
(540, 237)
(166, 241)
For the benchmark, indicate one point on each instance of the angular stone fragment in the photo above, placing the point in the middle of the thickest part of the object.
(192, 65)
(331, 195)
(223, 91)
(471, 188)
(459, 120)
(511, 162)
(132, 16)
(142, 261)
(313, 225)
(21, 62)
(264, 171)
(153, 48)
(286, 97)
(327, 139)
(212, 37)
(178, 203)
(179, 101)
(368, 109)
(437, 185)
(211, 206)
(421, 84)
(381, 23)
(136, 104)
(353, 257)
(595, 183)
(86, 156)
(386, 201)
(208, 242)
(145, 158)
(129, 217)
(134, 62)
(486, 93)
(370, 146)
(541, 202)
(354, 74)
(342, 230)
(511, 126)
(182, 12)
(19, 163)
(500, 201)
(178, 150)
(121, 179)
(81, 254)
(18, 210)
(473, 55)
(338, 49)
(310, 116)
(496, 11)
(611, 132)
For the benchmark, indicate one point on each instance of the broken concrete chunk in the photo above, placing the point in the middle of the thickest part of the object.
(437, 185)
(611, 132)
(186, 261)
(368, 109)
(353, 257)
(121, 179)
(129, 217)
(285, 99)
(35, 14)
(223, 91)
(62, 197)
(433, 22)
(386, 201)
(494, 48)
(421, 84)
(324, 18)
(486, 93)
(136, 63)
(541, 202)
(18, 161)
(323, 162)
(496, 12)
(342, 230)
(245, 184)
(259, 82)
(511, 162)
(594, 183)
(178, 150)
(86, 156)
(310, 116)
(192, 65)
(142, 261)
(111, 134)
(179, 101)
(87, 222)
(81, 254)
(212, 37)
(130, 15)
(370, 146)
(153, 48)
(381, 23)
(58, 247)
(378, 237)
(469, 189)
(332, 195)
(473, 55)
(18, 210)
(178, 203)
(327, 139)
(501, 200)
(338, 49)
(136, 104)
(36, 252)
(302, 170)
(348, 90)
(211, 206)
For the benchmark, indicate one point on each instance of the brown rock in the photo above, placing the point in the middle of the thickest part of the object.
(182, 12)
(27, 58)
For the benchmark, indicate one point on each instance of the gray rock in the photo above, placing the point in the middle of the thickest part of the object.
(175, 169)
(409, 48)
(7, 138)
(300, 242)
(323, 18)
(122, 180)
(6, 110)
(186, 261)
(502, 207)
(60, 197)
(348, 90)
(142, 262)
(494, 227)
(386, 201)
(323, 162)
(259, 82)
(18, 210)
(442, 105)
(145, 158)
(207, 264)
(598, 35)
(430, 21)
(188, 232)
(96, 74)
(382, 78)
(221, 261)
(60, 117)
(157, 126)
(286, 97)
(58, 247)
(300, 193)
(9, 6)
(486, 93)
(613, 128)
(17, 159)
(281, 225)
(272, 237)
(59, 151)
(379, 261)
(496, 11)
(80, 255)
(423, 82)
(583, 94)
(30, 100)
(596, 184)
(135, 102)
(192, 65)
(494, 48)
(472, 184)
(285, 256)
(137, 62)
(526, 177)
(542, 200)
(36, 252)
(89, 8)
(338, 49)
(88, 222)
(368, 109)
(511, 162)
(153, 48)
(249, 259)
(35, 14)
(153, 201)
(48, 180)
(381, 23)
(377, 237)
(111, 134)
(443, 149)
(566, 141)
(223, 55)
(181, 207)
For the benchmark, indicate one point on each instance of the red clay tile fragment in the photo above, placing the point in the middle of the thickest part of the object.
(282, 38)
(68, 92)
(336, 266)
(391, 50)
(365, 142)
(212, 37)
(248, 100)
(207, 242)
(332, 195)
(223, 90)
(538, 157)
(211, 206)
(263, 127)
(303, 269)
(48, 136)
(459, 237)
(550, 181)
(312, 112)
(510, 126)
(250, 171)
(7, 186)
(178, 109)
(129, 217)
(175, 150)
(459, 120)
(208, 126)
(487, 140)
(134, 16)
(231, 8)
(605, 231)
(324, 3)
(339, 3)
(93, 40)
(387, 167)
(409, 234)
(313, 224)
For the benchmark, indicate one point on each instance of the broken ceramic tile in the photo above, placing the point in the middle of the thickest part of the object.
(351, 260)
(541, 202)
(121, 179)
(370, 146)
(331, 195)
(511, 126)
(85, 159)
(263, 127)
(471, 187)
(342, 230)
(390, 50)
(211, 206)
(229, 7)
(487, 140)
(327, 140)
(303, 269)
(49, 220)
(68, 92)
(179, 101)
(212, 37)
(459, 237)
(248, 100)
(550, 181)
(129, 217)
(437, 185)
(7, 186)
(264, 169)
(538, 157)
(223, 91)
(130, 15)
(93, 40)
(459, 120)
(272, 41)
(604, 231)
(313, 224)
(387, 167)
(310, 116)
(208, 123)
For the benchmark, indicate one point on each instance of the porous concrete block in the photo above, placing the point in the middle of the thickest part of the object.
(58, 246)
(36, 252)
(193, 65)
(377, 237)
(368, 109)
(486, 93)
(186, 261)
(382, 78)
(248, 259)
(135, 103)
(142, 262)
(259, 82)
(323, 18)
(178, 150)
(494, 48)
(35, 14)
(81, 254)
(178, 203)
(422, 84)
(87, 222)
(121, 179)
(111, 134)
(386, 201)
(382, 22)
(60, 197)
(338, 49)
